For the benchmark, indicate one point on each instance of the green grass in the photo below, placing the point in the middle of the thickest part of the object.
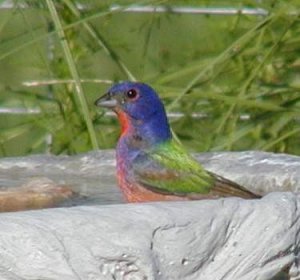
(241, 72)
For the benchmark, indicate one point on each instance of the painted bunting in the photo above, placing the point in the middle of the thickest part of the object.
(151, 165)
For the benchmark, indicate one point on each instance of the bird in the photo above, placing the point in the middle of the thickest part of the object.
(151, 164)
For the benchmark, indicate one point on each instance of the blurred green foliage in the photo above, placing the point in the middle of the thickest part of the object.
(239, 74)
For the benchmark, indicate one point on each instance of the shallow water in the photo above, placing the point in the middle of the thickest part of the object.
(91, 175)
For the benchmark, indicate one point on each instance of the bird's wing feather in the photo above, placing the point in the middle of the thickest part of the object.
(169, 169)
(224, 187)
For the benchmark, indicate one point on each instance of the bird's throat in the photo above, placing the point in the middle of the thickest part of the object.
(124, 122)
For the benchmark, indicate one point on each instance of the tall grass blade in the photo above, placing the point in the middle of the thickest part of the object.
(74, 73)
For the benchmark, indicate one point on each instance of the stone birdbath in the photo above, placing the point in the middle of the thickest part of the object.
(89, 233)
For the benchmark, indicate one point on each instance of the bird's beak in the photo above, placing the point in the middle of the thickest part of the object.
(106, 101)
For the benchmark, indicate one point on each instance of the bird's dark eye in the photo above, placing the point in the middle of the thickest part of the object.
(131, 94)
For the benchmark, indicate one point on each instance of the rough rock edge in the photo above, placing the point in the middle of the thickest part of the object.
(211, 239)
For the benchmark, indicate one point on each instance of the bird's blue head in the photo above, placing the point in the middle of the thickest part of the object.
(139, 109)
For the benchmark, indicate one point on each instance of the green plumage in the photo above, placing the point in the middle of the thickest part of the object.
(169, 168)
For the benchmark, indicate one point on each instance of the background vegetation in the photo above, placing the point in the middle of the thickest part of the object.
(235, 79)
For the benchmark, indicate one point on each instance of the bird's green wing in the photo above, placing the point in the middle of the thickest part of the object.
(168, 168)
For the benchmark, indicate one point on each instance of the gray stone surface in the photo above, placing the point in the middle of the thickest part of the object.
(261, 172)
(212, 239)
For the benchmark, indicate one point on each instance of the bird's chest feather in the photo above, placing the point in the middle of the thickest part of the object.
(125, 156)
(130, 146)
(131, 189)
(125, 172)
